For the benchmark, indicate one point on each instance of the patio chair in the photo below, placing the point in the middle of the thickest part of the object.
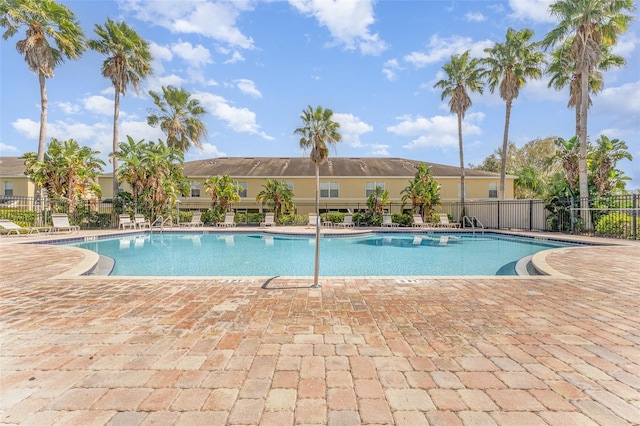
(125, 222)
(387, 221)
(229, 220)
(444, 222)
(195, 220)
(313, 220)
(10, 227)
(61, 223)
(141, 222)
(269, 220)
(347, 222)
(419, 223)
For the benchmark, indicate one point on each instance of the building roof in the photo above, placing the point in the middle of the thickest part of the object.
(12, 167)
(280, 167)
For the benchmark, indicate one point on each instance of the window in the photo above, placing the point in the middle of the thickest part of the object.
(8, 188)
(243, 191)
(289, 185)
(370, 188)
(329, 190)
(493, 190)
(195, 189)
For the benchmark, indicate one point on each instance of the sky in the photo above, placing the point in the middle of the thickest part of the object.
(256, 65)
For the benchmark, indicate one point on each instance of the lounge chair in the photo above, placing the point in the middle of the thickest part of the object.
(229, 221)
(124, 222)
(419, 223)
(10, 227)
(444, 222)
(140, 221)
(195, 220)
(269, 220)
(61, 223)
(313, 220)
(347, 221)
(388, 221)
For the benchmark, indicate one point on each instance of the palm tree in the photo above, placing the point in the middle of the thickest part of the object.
(128, 62)
(590, 25)
(318, 131)
(509, 65)
(603, 159)
(567, 155)
(179, 117)
(223, 191)
(463, 75)
(277, 195)
(46, 21)
(423, 192)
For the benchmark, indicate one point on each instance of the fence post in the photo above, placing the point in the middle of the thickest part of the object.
(634, 215)
(498, 214)
(530, 214)
(571, 217)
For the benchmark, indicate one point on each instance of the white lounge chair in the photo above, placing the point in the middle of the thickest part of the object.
(140, 221)
(125, 222)
(444, 222)
(388, 221)
(419, 223)
(229, 221)
(195, 220)
(269, 220)
(10, 227)
(61, 223)
(313, 220)
(347, 222)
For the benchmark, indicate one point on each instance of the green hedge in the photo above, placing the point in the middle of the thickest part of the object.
(617, 225)
(23, 218)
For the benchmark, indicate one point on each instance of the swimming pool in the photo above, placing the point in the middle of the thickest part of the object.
(258, 254)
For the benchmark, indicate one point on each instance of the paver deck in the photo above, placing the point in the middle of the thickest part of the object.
(561, 350)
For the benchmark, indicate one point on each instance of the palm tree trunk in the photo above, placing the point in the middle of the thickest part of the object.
(505, 145)
(582, 156)
(461, 162)
(316, 268)
(44, 105)
(116, 114)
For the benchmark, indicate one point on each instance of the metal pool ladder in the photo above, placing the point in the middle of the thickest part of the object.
(474, 223)
(160, 222)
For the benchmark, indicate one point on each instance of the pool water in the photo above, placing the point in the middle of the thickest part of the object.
(247, 254)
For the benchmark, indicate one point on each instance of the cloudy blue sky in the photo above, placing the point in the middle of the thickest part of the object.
(255, 65)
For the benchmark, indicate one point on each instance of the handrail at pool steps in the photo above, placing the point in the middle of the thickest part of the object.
(160, 222)
(473, 222)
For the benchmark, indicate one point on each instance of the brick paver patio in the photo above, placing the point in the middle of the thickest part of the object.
(444, 351)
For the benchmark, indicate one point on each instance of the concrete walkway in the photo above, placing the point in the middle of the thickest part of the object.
(561, 350)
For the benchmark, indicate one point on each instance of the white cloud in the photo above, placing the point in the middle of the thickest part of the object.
(389, 69)
(474, 17)
(626, 45)
(27, 127)
(68, 107)
(99, 105)
(379, 150)
(438, 131)
(348, 22)
(235, 57)
(208, 151)
(351, 127)
(8, 149)
(195, 56)
(248, 87)
(440, 49)
(241, 120)
(531, 10)
(213, 20)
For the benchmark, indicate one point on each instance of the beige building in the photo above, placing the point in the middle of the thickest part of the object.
(344, 181)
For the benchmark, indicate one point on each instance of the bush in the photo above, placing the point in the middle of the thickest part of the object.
(212, 216)
(333, 217)
(25, 218)
(402, 219)
(617, 225)
(249, 218)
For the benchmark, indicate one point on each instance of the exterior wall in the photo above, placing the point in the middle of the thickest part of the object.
(22, 187)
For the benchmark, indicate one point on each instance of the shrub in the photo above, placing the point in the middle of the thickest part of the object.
(292, 219)
(617, 225)
(23, 218)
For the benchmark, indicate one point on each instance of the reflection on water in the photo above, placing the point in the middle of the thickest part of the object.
(418, 240)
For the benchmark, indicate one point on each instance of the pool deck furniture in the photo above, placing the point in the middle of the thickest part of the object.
(419, 223)
(313, 220)
(141, 222)
(269, 220)
(229, 221)
(387, 221)
(347, 222)
(10, 227)
(444, 222)
(61, 223)
(195, 220)
(125, 222)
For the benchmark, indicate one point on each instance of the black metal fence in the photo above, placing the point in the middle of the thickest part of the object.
(615, 217)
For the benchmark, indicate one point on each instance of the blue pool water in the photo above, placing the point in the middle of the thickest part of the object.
(242, 254)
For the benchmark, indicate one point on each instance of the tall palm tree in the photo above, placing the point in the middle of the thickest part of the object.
(567, 156)
(590, 24)
(318, 131)
(46, 21)
(179, 116)
(509, 65)
(128, 62)
(463, 75)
